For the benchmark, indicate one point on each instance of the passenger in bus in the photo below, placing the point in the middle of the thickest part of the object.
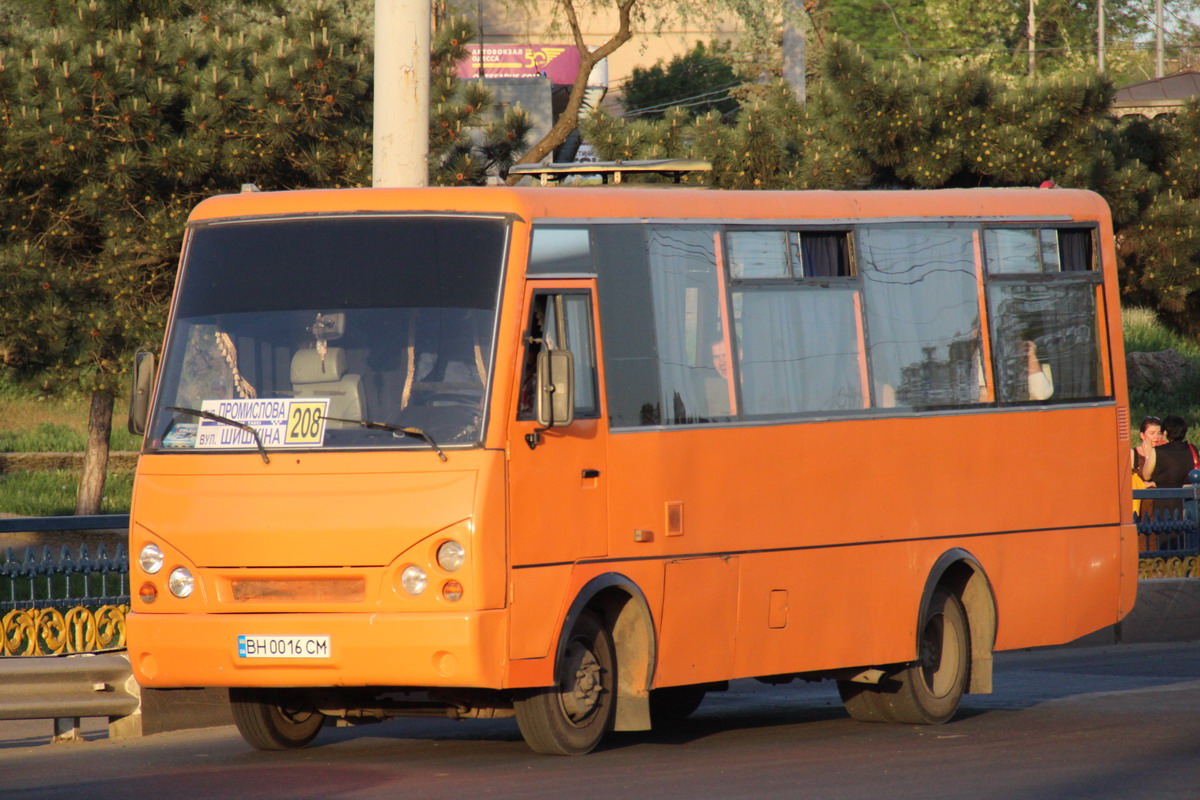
(1167, 465)
(717, 390)
(1040, 382)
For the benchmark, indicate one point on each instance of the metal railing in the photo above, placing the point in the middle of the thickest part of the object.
(59, 608)
(1169, 539)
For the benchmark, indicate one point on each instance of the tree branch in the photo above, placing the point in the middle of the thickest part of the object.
(568, 120)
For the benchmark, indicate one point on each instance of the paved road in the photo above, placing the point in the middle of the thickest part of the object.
(1112, 722)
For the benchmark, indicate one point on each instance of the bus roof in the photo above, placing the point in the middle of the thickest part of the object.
(600, 203)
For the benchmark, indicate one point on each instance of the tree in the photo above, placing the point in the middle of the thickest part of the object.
(648, 15)
(1161, 252)
(116, 117)
(996, 34)
(699, 80)
(905, 125)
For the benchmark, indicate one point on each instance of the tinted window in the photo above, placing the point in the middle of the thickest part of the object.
(384, 319)
(627, 325)
(560, 251)
(922, 314)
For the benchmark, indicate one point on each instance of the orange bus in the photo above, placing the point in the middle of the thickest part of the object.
(580, 456)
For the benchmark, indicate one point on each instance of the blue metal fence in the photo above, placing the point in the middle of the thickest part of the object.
(1171, 533)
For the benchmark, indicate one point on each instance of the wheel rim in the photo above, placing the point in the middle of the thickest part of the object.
(583, 689)
(941, 653)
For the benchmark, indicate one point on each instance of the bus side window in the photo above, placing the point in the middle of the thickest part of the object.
(921, 298)
(1043, 297)
(575, 335)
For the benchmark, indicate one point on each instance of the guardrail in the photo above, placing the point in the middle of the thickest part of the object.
(68, 688)
(58, 608)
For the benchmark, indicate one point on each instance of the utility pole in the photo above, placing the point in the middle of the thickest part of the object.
(794, 59)
(1158, 39)
(1031, 34)
(400, 132)
(1100, 36)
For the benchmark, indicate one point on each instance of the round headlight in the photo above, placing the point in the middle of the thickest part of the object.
(150, 559)
(450, 555)
(181, 583)
(413, 579)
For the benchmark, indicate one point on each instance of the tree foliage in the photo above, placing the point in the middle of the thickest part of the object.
(116, 117)
(996, 33)
(904, 125)
(699, 80)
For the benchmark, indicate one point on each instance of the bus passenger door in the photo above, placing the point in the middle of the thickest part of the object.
(558, 476)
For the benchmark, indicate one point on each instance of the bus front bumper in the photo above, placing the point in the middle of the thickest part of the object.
(464, 649)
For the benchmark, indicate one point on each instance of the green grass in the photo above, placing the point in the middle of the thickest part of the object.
(53, 437)
(52, 494)
(32, 423)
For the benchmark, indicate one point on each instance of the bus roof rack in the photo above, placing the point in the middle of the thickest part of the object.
(670, 167)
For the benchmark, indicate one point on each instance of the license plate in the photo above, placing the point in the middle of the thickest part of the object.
(283, 646)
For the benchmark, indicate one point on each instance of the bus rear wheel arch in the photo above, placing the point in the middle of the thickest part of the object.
(274, 719)
(956, 636)
(928, 690)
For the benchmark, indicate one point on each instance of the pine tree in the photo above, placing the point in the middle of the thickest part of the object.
(117, 116)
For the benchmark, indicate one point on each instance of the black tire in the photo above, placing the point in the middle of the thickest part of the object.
(273, 719)
(929, 691)
(864, 701)
(674, 704)
(571, 717)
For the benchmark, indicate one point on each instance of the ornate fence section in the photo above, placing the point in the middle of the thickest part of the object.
(1169, 541)
(66, 599)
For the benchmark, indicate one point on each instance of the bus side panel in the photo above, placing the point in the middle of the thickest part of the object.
(536, 606)
(848, 519)
(829, 620)
(1042, 581)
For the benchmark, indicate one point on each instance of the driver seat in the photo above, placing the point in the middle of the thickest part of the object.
(312, 377)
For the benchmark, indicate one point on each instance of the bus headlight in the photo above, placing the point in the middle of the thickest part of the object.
(181, 583)
(450, 556)
(413, 579)
(151, 558)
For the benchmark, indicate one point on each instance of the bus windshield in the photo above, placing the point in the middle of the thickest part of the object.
(331, 332)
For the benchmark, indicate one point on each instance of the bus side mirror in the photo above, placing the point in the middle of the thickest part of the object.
(139, 394)
(556, 388)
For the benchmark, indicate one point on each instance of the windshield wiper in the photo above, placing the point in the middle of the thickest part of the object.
(383, 426)
(195, 412)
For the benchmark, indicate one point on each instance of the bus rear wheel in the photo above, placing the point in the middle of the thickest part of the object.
(929, 691)
(271, 719)
(571, 717)
(864, 702)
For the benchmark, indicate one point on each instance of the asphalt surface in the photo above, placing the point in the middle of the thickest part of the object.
(1100, 722)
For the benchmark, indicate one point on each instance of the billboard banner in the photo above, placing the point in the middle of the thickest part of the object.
(558, 62)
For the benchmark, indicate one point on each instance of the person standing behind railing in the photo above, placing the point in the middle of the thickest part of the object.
(1151, 435)
(1167, 466)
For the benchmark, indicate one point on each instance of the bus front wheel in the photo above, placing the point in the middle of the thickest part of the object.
(929, 691)
(572, 716)
(274, 720)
